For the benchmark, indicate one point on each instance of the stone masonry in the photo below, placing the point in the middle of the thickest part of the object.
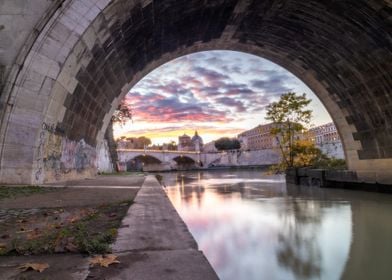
(75, 59)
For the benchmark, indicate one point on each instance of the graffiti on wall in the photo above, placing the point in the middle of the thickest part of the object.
(77, 155)
(58, 156)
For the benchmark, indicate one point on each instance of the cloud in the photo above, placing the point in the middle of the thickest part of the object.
(211, 77)
(230, 102)
(154, 108)
(206, 87)
(169, 133)
(272, 85)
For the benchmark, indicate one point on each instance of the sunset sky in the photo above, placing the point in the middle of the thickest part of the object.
(217, 93)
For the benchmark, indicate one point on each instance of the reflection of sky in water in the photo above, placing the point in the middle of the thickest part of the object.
(251, 228)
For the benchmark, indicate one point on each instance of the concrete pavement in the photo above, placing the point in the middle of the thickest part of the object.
(154, 242)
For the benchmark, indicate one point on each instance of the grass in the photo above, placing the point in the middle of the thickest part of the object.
(16, 191)
(125, 173)
(85, 230)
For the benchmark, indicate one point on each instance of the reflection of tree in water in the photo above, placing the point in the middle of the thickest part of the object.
(298, 249)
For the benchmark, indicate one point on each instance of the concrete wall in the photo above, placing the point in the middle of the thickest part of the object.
(61, 159)
(104, 162)
(244, 158)
(18, 20)
(332, 149)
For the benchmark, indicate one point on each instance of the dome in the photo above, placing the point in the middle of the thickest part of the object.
(197, 138)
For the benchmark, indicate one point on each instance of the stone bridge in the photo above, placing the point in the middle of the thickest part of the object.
(166, 157)
(166, 160)
(66, 64)
(125, 155)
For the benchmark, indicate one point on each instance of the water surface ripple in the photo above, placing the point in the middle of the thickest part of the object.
(253, 226)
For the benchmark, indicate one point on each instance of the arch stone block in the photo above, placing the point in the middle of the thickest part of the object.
(81, 58)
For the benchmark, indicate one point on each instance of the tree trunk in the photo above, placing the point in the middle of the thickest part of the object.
(112, 146)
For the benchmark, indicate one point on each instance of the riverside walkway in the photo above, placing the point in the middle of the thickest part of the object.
(153, 242)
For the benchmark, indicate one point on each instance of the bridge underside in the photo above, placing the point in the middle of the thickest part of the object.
(60, 90)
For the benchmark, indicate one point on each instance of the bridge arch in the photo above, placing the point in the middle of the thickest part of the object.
(147, 159)
(70, 76)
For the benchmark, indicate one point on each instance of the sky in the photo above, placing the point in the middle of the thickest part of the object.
(217, 93)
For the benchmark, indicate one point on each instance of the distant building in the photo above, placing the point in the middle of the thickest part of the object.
(130, 143)
(326, 133)
(327, 139)
(197, 142)
(258, 138)
(186, 143)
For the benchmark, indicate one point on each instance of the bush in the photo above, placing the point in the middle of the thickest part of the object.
(330, 163)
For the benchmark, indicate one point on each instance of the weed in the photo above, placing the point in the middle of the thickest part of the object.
(15, 191)
(92, 233)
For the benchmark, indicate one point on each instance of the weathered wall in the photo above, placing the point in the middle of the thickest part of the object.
(244, 158)
(332, 149)
(59, 158)
(90, 53)
(104, 160)
(19, 22)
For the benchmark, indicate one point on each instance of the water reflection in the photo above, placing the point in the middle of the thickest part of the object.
(251, 226)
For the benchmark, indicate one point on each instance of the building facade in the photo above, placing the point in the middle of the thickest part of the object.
(326, 133)
(186, 143)
(327, 139)
(131, 143)
(258, 138)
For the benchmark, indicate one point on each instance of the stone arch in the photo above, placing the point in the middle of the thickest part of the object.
(147, 159)
(90, 53)
(185, 162)
(182, 158)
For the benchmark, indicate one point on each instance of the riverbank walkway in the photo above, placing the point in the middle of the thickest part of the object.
(153, 242)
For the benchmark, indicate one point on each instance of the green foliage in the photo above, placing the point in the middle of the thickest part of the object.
(15, 191)
(92, 243)
(90, 231)
(226, 143)
(330, 163)
(144, 141)
(172, 146)
(289, 115)
(122, 114)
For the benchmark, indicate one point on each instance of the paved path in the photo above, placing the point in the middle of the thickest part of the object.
(154, 243)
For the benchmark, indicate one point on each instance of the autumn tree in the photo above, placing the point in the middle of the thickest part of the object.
(226, 143)
(121, 115)
(305, 153)
(290, 115)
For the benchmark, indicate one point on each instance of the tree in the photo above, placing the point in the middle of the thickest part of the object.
(143, 141)
(226, 143)
(120, 115)
(305, 153)
(172, 146)
(290, 116)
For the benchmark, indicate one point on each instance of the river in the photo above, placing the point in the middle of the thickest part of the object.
(253, 226)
